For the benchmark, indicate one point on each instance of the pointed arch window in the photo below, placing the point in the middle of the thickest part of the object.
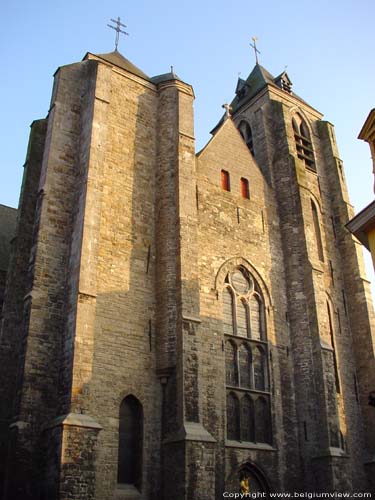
(242, 319)
(318, 235)
(231, 368)
(260, 372)
(130, 442)
(233, 416)
(303, 141)
(246, 358)
(247, 418)
(228, 311)
(245, 365)
(256, 307)
(262, 419)
(247, 135)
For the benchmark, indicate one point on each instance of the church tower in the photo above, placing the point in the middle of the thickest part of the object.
(178, 325)
(329, 311)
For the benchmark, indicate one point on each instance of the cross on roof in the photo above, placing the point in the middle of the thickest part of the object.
(118, 30)
(254, 38)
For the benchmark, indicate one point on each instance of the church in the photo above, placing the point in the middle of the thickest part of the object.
(182, 325)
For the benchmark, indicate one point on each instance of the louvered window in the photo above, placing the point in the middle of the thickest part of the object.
(303, 142)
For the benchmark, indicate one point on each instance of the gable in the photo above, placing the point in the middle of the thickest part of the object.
(228, 151)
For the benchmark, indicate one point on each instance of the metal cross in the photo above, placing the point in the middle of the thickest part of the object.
(254, 38)
(118, 30)
(228, 109)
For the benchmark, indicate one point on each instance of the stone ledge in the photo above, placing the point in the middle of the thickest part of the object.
(325, 346)
(191, 431)
(249, 446)
(330, 453)
(126, 491)
(192, 319)
(75, 420)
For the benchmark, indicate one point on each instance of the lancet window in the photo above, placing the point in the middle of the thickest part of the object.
(247, 135)
(246, 359)
(130, 442)
(303, 142)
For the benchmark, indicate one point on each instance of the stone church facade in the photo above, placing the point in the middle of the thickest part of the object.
(180, 325)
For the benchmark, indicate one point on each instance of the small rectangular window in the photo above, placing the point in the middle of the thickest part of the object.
(245, 192)
(225, 180)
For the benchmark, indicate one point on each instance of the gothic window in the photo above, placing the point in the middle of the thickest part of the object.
(228, 315)
(303, 142)
(247, 418)
(130, 442)
(233, 416)
(231, 369)
(318, 236)
(259, 365)
(247, 135)
(225, 180)
(256, 308)
(242, 318)
(246, 359)
(245, 191)
(262, 434)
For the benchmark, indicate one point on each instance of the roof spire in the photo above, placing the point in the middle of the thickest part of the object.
(254, 38)
(118, 30)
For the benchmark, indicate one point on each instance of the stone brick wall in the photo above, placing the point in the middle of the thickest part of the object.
(124, 242)
(245, 232)
(11, 339)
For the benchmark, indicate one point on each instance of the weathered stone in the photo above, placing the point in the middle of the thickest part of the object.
(124, 243)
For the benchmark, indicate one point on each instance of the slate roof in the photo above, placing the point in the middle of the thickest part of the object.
(119, 60)
(165, 77)
(8, 220)
(255, 82)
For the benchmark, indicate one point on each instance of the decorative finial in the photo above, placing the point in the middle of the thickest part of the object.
(172, 70)
(118, 30)
(228, 109)
(254, 39)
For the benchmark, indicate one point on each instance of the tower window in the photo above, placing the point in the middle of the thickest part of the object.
(246, 361)
(247, 135)
(245, 191)
(130, 442)
(303, 142)
(225, 180)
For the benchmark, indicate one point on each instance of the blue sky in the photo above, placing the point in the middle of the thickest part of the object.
(326, 46)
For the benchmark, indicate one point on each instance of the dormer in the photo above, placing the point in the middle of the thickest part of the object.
(283, 81)
(241, 89)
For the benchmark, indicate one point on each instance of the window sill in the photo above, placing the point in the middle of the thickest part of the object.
(249, 446)
(126, 491)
